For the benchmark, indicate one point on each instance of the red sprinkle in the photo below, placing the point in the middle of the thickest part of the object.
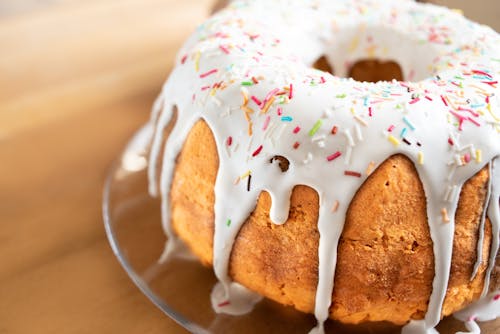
(257, 151)
(296, 145)
(290, 93)
(370, 111)
(415, 100)
(390, 128)
(444, 100)
(481, 73)
(323, 80)
(183, 59)
(352, 173)
(296, 130)
(450, 141)
(279, 111)
(491, 83)
(496, 297)
(229, 141)
(256, 100)
(428, 98)
(254, 80)
(212, 71)
(224, 303)
(334, 129)
(333, 156)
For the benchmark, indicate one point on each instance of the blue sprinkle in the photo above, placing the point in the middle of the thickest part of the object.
(403, 132)
(286, 118)
(409, 124)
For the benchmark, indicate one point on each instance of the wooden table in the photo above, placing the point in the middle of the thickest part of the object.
(77, 78)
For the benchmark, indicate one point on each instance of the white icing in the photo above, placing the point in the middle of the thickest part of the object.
(275, 42)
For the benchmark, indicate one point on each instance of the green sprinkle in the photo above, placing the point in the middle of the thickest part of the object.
(341, 96)
(228, 223)
(247, 83)
(459, 77)
(315, 128)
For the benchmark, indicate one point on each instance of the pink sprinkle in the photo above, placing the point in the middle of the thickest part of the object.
(290, 93)
(487, 99)
(257, 151)
(467, 157)
(271, 94)
(183, 59)
(256, 100)
(370, 111)
(208, 73)
(390, 128)
(444, 100)
(472, 318)
(229, 141)
(450, 141)
(266, 123)
(323, 80)
(279, 111)
(333, 156)
(458, 85)
(205, 87)
(296, 130)
(428, 98)
(460, 119)
(475, 114)
(224, 303)
(415, 100)
(473, 121)
(496, 297)
(224, 49)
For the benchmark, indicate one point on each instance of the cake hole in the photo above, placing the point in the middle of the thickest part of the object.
(323, 65)
(373, 70)
(414, 246)
(370, 70)
(283, 162)
(387, 183)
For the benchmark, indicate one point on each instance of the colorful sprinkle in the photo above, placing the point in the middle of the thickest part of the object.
(228, 223)
(227, 302)
(420, 156)
(333, 156)
(229, 141)
(257, 151)
(352, 173)
(266, 123)
(315, 127)
(334, 130)
(206, 74)
(335, 206)
(393, 140)
(296, 145)
(286, 118)
(407, 122)
(297, 129)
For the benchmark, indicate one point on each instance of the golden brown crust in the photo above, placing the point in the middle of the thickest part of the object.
(385, 258)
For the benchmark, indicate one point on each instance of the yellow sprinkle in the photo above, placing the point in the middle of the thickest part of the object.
(420, 158)
(458, 11)
(354, 44)
(491, 113)
(393, 140)
(247, 110)
(479, 156)
(250, 131)
(212, 92)
(360, 120)
(352, 111)
(247, 117)
(245, 175)
(197, 61)
(370, 168)
(444, 213)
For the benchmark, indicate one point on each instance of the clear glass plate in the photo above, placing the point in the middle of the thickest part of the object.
(181, 287)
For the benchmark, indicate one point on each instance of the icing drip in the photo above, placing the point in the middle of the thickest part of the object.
(246, 73)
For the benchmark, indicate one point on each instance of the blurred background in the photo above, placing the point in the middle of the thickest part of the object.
(77, 78)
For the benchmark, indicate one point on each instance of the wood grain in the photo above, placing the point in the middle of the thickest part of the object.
(77, 78)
